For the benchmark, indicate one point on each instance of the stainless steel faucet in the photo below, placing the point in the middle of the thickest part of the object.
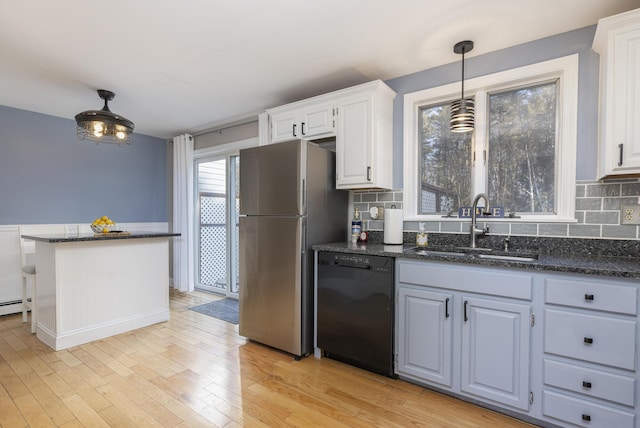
(474, 231)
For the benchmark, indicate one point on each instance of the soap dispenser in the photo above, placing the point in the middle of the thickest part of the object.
(422, 239)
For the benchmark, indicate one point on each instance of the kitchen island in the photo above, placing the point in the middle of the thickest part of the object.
(93, 286)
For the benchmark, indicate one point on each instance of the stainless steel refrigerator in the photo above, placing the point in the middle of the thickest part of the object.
(288, 202)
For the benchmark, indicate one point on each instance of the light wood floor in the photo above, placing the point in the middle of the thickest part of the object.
(196, 371)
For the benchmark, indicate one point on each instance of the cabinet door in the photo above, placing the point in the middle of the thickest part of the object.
(284, 126)
(354, 142)
(617, 40)
(626, 102)
(424, 335)
(495, 351)
(317, 121)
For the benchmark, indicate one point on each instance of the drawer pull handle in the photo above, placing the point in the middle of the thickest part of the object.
(620, 146)
(588, 297)
(586, 384)
(588, 340)
(586, 417)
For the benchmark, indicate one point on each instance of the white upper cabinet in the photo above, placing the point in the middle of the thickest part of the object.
(361, 120)
(315, 120)
(617, 40)
(364, 141)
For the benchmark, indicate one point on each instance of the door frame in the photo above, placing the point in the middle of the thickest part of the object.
(213, 153)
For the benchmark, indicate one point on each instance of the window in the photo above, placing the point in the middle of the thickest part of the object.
(445, 162)
(522, 152)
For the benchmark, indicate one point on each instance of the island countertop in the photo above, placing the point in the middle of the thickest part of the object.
(83, 237)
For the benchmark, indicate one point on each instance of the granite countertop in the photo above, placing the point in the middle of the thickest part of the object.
(614, 266)
(81, 237)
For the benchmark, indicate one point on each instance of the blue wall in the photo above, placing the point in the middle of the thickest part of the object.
(47, 175)
(578, 41)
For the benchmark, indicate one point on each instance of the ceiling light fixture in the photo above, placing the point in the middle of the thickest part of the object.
(462, 110)
(103, 126)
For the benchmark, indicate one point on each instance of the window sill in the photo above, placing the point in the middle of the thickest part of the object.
(523, 219)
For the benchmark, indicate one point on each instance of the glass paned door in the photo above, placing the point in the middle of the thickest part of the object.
(218, 214)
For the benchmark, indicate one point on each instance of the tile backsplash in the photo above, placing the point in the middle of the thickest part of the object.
(597, 213)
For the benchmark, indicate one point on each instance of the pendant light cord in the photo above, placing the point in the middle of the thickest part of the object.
(462, 95)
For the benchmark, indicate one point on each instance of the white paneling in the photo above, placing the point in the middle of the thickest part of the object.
(10, 277)
(91, 290)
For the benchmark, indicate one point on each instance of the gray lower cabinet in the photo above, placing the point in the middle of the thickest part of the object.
(590, 358)
(470, 331)
(495, 350)
(465, 330)
(425, 340)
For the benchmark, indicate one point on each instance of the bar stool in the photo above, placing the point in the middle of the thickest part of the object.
(27, 252)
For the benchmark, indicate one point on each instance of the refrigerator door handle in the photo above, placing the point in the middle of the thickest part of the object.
(304, 196)
(304, 236)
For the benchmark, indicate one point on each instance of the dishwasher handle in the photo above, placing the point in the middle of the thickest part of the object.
(352, 265)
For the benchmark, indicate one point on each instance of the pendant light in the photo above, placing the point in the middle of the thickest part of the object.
(103, 126)
(462, 110)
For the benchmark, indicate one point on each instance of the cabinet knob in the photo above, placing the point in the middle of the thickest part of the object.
(586, 417)
(586, 384)
(588, 297)
(588, 340)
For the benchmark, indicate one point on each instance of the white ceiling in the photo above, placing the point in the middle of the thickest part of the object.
(189, 65)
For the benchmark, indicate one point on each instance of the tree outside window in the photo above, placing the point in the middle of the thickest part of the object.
(445, 169)
(522, 147)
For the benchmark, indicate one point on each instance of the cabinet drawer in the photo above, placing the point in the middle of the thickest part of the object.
(584, 413)
(591, 295)
(594, 383)
(591, 338)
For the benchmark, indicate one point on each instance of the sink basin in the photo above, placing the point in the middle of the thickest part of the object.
(511, 258)
(426, 252)
(474, 250)
(481, 253)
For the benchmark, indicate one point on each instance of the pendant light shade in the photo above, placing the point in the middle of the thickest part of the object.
(103, 126)
(462, 110)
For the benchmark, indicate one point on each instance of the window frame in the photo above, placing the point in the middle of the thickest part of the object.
(564, 69)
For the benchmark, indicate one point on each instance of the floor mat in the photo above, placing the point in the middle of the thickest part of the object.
(225, 309)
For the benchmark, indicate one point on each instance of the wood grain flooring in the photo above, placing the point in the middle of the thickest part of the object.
(196, 371)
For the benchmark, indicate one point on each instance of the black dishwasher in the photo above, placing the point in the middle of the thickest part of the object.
(355, 310)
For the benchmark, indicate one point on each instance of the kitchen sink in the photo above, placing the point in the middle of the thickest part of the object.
(511, 258)
(481, 253)
(427, 252)
(474, 250)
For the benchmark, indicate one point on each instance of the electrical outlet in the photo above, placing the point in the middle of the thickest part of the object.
(630, 214)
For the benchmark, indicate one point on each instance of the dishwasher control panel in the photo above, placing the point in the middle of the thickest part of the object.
(374, 263)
